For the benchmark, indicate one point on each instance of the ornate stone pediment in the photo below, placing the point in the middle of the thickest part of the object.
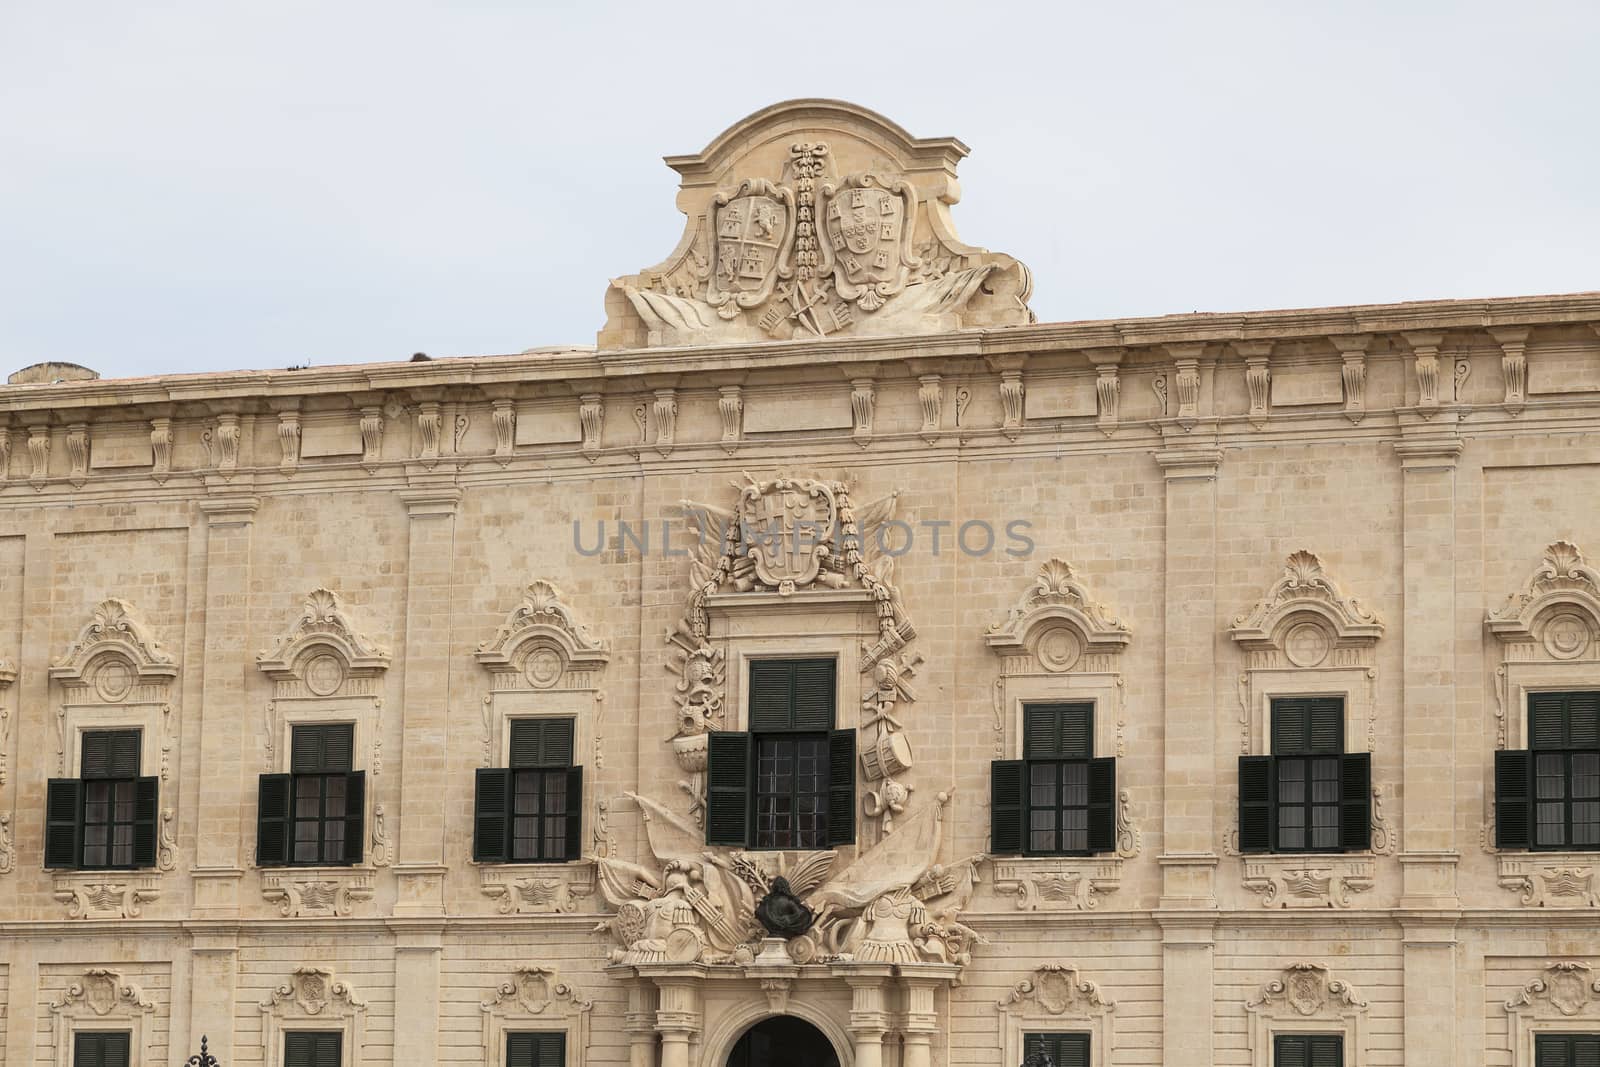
(1551, 879)
(115, 650)
(1557, 609)
(535, 997)
(103, 999)
(1565, 989)
(1307, 998)
(324, 626)
(1305, 617)
(813, 218)
(314, 997)
(101, 992)
(1058, 622)
(1056, 996)
(543, 639)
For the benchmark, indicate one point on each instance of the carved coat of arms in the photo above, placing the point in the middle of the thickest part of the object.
(868, 223)
(788, 525)
(752, 233)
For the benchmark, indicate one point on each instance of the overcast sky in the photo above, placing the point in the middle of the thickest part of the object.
(210, 184)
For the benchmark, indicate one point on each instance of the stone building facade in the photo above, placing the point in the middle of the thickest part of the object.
(824, 504)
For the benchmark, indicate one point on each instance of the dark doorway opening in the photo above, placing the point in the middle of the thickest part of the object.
(783, 1041)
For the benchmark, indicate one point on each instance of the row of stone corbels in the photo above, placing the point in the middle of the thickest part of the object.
(439, 418)
(1178, 384)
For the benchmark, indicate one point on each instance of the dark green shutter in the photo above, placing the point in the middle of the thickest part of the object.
(273, 801)
(312, 1048)
(536, 1050)
(1308, 1050)
(1058, 731)
(841, 787)
(574, 813)
(1005, 806)
(541, 743)
(63, 822)
(146, 810)
(1103, 804)
(1355, 801)
(1513, 806)
(771, 688)
(1304, 726)
(1289, 734)
(100, 1048)
(355, 815)
(727, 788)
(324, 749)
(1583, 719)
(1326, 727)
(110, 754)
(1257, 778)
(1064, 1050)
(1547, 727)
(813, 701)
(490, 811)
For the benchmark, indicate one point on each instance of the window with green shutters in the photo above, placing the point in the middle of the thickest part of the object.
(1064, 1050)
(1059, 799)
(531, 811)
(789, 781)
(1308, 1050)
(316, 814)
(101, 1048)
(105, 819)
(542, 1049)
(1547, 796)
(1566, 1050)
(313, 1048)
(1309, 795)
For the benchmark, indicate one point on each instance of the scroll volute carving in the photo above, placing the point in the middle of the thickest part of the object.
(1305, 618)
(1059, 624)
(543, 639)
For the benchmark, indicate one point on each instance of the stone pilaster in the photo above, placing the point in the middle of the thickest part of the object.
(639, 1022)
(1430, 959)
(214, 969)
(1188, 949)
(226, 735)
(678, 1015)
(423, 762)
(921, 1020)
(1190, 628)
(870, 1020)
(416, 994)
(1428, 752)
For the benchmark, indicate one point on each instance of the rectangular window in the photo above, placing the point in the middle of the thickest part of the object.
(1308, 1050)
(544, 1049)
(790, 781)
(1057, 745)
(1564, 739)
(316, 814)
(100, 1048)
(1308, 739)
(1064, 1050)
(110, 772)
(313, 1048)
(1566, 1050)
(1309, 795)
(791, 714)
(541, 765)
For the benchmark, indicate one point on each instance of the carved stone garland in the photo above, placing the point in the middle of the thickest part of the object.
(325, 669)
(8, 675)
(542, 660)
(1307, 999)
(535, 998)
(1306, 636)
(1059, 643)
(1056, 997)
(1549, 634)
(1564, 998)
(104, 999)
(314, 998)
(116, 675)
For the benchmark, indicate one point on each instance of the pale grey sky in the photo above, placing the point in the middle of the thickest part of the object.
(211, 184)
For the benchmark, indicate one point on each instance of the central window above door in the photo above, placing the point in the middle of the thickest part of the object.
(788, 782)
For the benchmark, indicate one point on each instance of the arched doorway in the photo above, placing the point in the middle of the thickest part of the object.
(783, 1041)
